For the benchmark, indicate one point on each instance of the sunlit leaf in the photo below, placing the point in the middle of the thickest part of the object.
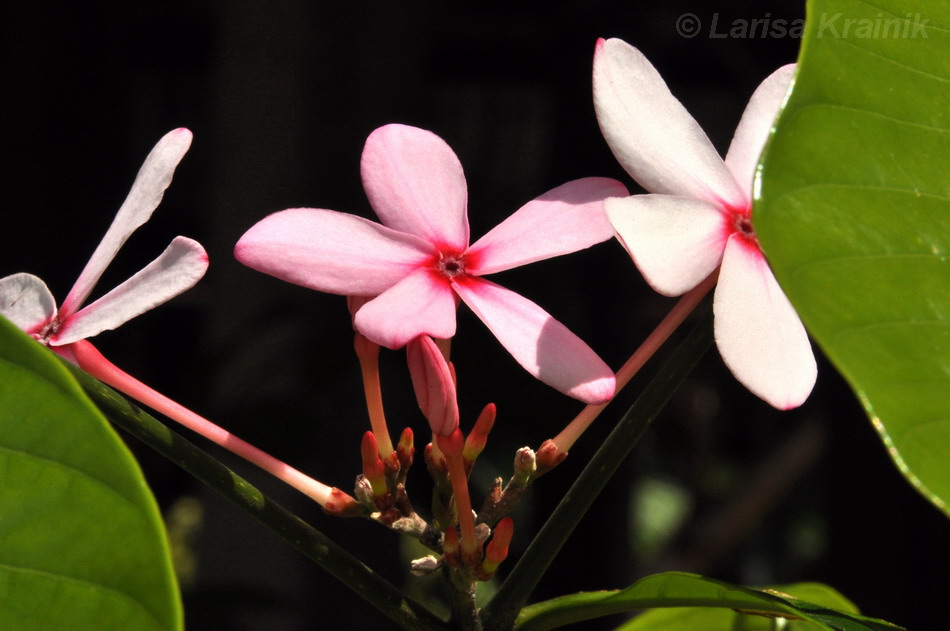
(854, 216)
(681, 590)
(82, 545)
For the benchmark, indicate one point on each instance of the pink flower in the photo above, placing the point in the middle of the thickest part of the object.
(700, 217)
(419, 261)
(28, 303)
(434, 385)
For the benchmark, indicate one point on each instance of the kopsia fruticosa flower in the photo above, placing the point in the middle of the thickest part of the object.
(699, 217)
(28, 303)
(417, 263)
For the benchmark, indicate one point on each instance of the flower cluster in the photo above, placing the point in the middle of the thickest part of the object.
(406, 276)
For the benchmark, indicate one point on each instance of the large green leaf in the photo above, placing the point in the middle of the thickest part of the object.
(854, 216)
(679, 590)
(82, 545)
(721, 619)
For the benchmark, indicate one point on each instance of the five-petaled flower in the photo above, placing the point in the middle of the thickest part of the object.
(417, 262)
(28, 303)
(700, 217)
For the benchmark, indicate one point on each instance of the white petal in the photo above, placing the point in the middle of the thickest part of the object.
(675, 242)
(26, 301)
(759, 335)
(147, 192)
(179, 267)
(651, 134)
(756, 124)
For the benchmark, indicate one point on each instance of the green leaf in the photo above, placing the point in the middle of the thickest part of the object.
(82, 546)
(681, 590)
(854, 216)
(713, 619)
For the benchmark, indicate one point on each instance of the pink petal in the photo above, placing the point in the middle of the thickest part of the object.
(331, 251)
(756, 124)
(759, 335)
(541, 344)
(564, 220)
(26, 301)
(420, 304)
(146, 194)
(675, 242)
(651, 134)
(433, 385)
(177, 269)
(415, 183)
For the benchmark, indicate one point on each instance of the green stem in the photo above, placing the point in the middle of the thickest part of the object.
(306, 539)
(501, 612)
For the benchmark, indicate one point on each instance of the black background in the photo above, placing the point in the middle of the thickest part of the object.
(281, 96)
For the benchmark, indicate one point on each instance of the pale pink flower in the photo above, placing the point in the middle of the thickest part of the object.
(28, 303)
(419, 261)
(700, 217)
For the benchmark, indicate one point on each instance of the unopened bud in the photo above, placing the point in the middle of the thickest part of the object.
(478, 437)
(549, 456)
(497, 549)
(433, 384)
(405, 450)
(525, 465)
(373, 470)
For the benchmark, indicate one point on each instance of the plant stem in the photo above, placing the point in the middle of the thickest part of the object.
(315, 545)
(501, 612)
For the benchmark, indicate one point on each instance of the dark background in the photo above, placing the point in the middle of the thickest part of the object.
(281, 96)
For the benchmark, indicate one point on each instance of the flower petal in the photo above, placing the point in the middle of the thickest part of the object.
(651, 134)
(755, 125)
(144, 197)
(563, 220)
(177, 269)
(541, 344)
(420, 304)
(415, 183)
(331, 251)
(759, 335)
(26, 301)
(675, 242)
(433, 384)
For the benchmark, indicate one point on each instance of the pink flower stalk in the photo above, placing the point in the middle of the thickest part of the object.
(28, 303)
(419, 261)
(699, 217)
(434, 386)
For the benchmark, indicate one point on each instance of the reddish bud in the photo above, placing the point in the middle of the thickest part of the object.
(497, 549)
(434, 386)
(478, 437)
(405, 450)
(549, 456)
(373, 469)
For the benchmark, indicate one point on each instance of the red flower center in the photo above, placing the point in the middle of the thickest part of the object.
(450, 265)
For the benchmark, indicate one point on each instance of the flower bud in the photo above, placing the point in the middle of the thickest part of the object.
(497, 549)
(434, 386)
(476, 439)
